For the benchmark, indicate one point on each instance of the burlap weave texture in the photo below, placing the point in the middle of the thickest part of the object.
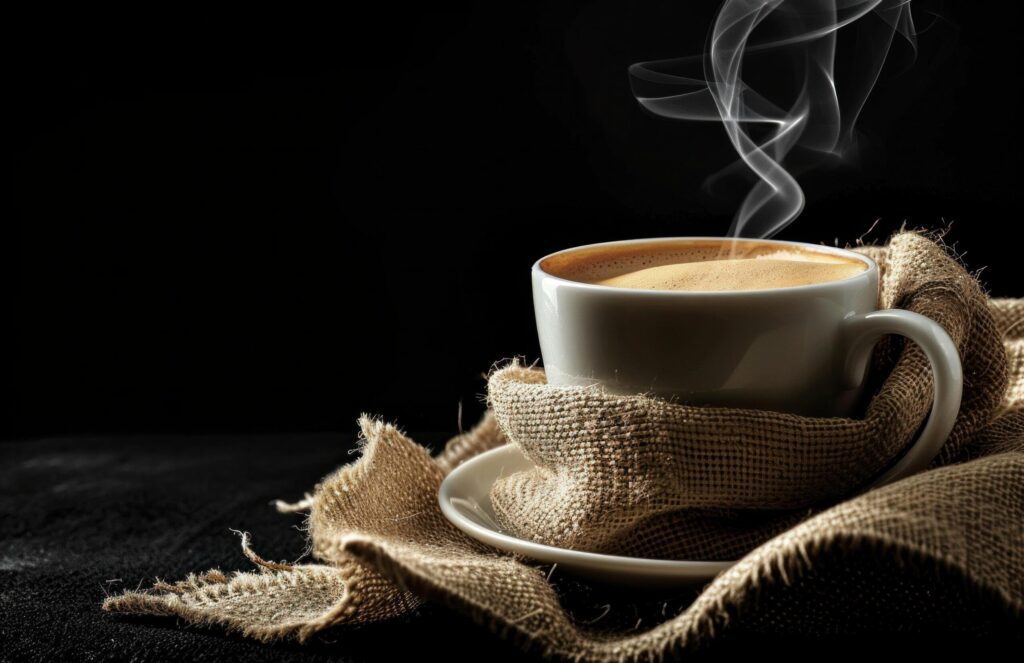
(941, 550)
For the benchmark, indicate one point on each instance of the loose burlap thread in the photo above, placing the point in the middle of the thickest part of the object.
(942, 550)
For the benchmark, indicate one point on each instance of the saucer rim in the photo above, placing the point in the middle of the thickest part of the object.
(555, 554)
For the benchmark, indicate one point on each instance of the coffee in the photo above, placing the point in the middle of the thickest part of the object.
(703, 265)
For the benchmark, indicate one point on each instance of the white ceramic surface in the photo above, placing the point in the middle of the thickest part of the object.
(800, 349)
(464, 497)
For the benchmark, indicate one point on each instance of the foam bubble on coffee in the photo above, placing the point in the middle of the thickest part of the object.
(709, 268)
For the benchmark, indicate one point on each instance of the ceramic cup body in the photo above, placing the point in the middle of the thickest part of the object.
(801, 349)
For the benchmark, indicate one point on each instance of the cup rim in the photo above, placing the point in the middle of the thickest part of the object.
(867, 275)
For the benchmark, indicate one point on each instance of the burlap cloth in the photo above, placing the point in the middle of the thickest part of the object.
(942, 550)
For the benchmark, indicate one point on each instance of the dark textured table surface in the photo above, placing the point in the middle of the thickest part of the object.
(81, 518)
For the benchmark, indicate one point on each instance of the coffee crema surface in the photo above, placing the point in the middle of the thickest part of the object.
(702, 266)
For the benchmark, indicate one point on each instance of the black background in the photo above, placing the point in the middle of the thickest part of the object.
(267, 222)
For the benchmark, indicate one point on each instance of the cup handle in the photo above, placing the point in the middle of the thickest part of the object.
(863, 330)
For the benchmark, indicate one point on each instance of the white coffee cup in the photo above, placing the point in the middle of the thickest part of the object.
(802, 349)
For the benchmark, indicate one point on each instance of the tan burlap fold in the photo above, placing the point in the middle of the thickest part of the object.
(941, 550)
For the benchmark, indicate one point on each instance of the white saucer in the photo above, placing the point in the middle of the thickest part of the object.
(465, 500)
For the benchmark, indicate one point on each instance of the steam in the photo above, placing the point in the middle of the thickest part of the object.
(823, 111)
